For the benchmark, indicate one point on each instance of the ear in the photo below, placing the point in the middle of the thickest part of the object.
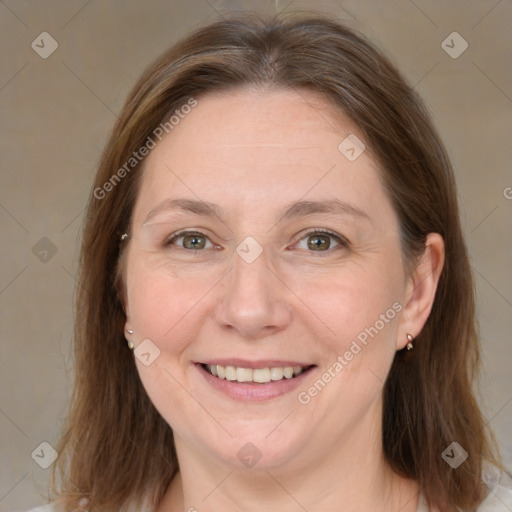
(128, 329)
(421, 289)
(127, 324)
(122, 293)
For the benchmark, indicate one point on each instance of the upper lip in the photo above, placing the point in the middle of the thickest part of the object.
(265, 363)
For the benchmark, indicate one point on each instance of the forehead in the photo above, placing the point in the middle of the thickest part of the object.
(260, 147)
(247, 118)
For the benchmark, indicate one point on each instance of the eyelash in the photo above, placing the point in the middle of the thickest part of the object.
(342, 241)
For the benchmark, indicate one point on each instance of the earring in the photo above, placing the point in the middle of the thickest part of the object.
(124, 237)
(130, 343)
(410, 346)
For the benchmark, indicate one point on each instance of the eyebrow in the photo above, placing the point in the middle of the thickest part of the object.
(331, 206)
(193, 206)
(294, 210)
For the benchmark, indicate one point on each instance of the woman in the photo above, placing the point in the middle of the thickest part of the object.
(275, 309)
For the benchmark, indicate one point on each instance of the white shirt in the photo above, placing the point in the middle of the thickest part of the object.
(498, 500)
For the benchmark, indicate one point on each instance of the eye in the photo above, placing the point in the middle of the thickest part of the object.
(320, 241)
(192, 240)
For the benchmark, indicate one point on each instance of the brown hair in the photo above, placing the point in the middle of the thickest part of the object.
(116, 448)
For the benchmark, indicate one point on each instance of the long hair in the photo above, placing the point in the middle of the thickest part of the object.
(115, 447)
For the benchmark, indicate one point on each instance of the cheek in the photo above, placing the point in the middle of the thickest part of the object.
(159, 301)
(360, 307)
(151, 307)
(362, 312)
(164, 308)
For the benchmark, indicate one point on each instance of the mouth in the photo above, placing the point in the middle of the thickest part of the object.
(265, 375)
(253, 382)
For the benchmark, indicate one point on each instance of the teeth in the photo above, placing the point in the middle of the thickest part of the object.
(243, 374)
(230, 373)
(288, 372)
(260, 375)
(276, 373)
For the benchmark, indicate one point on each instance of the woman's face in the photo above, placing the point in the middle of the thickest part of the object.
(260, 249)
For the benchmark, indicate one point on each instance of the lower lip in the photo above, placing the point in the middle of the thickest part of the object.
(253, 392)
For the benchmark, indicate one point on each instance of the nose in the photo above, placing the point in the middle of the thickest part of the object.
(255, 302)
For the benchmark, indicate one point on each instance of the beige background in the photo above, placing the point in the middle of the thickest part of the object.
(57, 112)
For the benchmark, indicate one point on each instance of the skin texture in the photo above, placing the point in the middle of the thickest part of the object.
(253, 153)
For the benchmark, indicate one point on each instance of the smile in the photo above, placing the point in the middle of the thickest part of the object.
(258, 375)
(239, 382)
